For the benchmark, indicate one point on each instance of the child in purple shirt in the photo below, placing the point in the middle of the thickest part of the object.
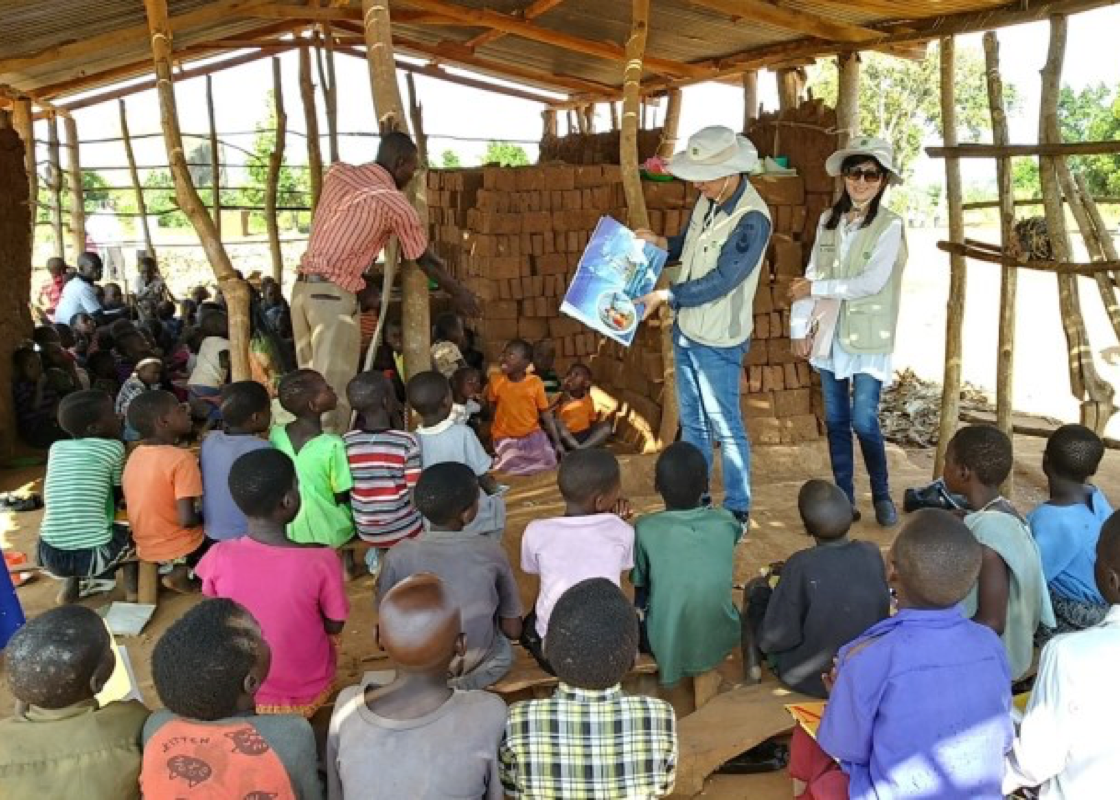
(920, 703)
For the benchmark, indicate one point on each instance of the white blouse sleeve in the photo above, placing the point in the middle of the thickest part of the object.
(874, 278)
(801, 312)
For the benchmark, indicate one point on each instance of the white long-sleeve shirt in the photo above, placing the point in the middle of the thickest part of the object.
(869, 282)
(1067, 743)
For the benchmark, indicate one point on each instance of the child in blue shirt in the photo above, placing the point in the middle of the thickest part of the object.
(1067, 527)
(247, 413)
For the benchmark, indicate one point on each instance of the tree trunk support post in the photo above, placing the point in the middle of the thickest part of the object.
(791, 82)
(54, 184)
(134, 176)
(954, 322)
(668, 144)
(324, 57)
(750, 98)
(235, 290)
(847, 99)
(215, 162)
(548, 122)
(23, 120)
(77, 194)
(275, 163)
(311, 120)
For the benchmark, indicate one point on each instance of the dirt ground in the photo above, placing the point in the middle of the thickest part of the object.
(775, 534)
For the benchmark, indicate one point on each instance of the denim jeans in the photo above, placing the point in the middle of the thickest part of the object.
(708, 380)
(853, 404)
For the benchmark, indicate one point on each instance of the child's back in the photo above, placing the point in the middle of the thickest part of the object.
(384, 466)
(324, 472)
(222, 518)
(78, 492)
(155, 479)
(449, 442)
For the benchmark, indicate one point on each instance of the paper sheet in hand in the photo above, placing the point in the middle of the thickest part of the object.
(615, 268)
(808, 715)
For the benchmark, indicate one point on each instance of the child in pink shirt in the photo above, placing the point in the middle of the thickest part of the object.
(589, 541)
(295, 591)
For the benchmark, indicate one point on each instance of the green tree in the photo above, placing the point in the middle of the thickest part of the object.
(505, 154)
(449, 159)
(1093, 115)
(95, 189)
(900, 99)
(293, 188)
(161, 200)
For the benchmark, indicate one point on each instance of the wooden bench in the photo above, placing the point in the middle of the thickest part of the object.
(526, 675)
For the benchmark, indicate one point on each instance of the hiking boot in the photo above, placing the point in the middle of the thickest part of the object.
(885, 513)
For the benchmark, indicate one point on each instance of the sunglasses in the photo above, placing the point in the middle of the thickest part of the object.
(868, 175)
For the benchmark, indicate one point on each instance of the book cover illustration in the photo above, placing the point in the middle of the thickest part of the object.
(616, 267)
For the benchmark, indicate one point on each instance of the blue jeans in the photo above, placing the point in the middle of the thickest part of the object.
(708, 380)
(848, 408)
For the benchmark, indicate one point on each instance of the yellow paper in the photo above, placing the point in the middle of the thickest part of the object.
(122, 683)
(808, 715)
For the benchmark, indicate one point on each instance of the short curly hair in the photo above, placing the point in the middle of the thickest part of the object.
(259, 479)
(445, 491)
(985, 450)
(1074, 452)
(592, 637)
(52, 658)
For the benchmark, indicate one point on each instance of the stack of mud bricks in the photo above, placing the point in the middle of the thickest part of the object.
(515, 236)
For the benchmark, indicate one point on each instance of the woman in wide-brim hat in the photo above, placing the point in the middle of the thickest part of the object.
(845, 313)
(720, 252)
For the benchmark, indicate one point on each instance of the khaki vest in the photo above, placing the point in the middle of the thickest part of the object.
(728, 320)
(867, 325)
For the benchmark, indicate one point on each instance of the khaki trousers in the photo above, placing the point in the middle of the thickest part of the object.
(328, 340)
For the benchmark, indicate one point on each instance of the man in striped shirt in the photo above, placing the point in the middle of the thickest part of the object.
(359, 209)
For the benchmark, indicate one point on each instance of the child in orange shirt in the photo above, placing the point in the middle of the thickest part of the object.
(579, 424)
(163, 488)
(521, 408)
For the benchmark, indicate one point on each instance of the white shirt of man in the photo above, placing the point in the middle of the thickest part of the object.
(1067, 743)
(78, 296)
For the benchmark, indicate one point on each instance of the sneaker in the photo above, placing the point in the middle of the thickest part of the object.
(885, 513)
(743, 518)
(91, 586)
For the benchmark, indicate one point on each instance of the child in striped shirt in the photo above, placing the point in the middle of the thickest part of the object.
(384, 465)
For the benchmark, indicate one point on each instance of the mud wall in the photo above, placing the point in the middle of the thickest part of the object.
(15, 274)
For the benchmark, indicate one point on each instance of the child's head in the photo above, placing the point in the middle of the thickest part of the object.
(592, 636)
(516, 358)
(825, 510)
(200, 294)
(89, 414)
(681, 477)
(1107, 568)
(590, 481)
(165, 310)
(977, 455)
(146, 266)
(394, 336)
(429, 394)
(45, 334)
(56, 267)
(447, 495)
(28, 364)
(149, 370)
(188, 308)
(371, 393)
(83, 324)
(65, 335)
(113, 296)
(132, 345)
(544, 356)
(263, 483)
(466, 384)
(102, 365)
(577, 382)
(210, 663)
(1073, 453)
(420, 625)
(246, 407)
(213, 322)
(306, 393)
(159, 415)
(59, 658)
(449, 328)
(54, 356)
(934, 561)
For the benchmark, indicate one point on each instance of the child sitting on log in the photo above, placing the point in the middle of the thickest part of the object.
(521, 408)
(579, 424)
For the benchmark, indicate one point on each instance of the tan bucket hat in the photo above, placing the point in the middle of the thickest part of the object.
(879, 149)
(712, 153)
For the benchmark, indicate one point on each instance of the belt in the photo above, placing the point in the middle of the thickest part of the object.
(303, 277)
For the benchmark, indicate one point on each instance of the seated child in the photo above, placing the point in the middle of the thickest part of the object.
(544, 367)
(466, 392)
(683, 559)
(921, 702)
(442, 440)
(163, 490)
(1067, 742)
(579, 422)
(84, 329)
(61, 742)
(320, 459)
(294, 591)
(521, 407)
(390, 357)
(78, 540)
(131, 347)
(589, 541)
(474, 357)
(825, 596)
(208, 668)
(102, 369)
(1067, 526)
(1010, 596)
(113, 306)
(36, 403)
(246, 411)
(448, 337)
(416, 737)
(384, 466)
(211, 369)
(589, 739)
(61, 369)
(474, 569)
(146, 377)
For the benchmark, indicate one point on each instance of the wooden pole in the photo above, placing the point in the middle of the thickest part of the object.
(134, 175)
(275, 163)
(750, 98)
(790, 84)
(311, 119)
(77, 195)
(215, 162)
(324, 57)
(1096, 395)
(581, 121)
(1009, 276)
(548, 118)
(571, 119)
(1098, 240)
(23, 120)
(1105, 148)
(614, 115)
(235, 290)
(416, 115)
(668, 144)
(954, 322)
(847, 99)
(415, 312)
(54, 184)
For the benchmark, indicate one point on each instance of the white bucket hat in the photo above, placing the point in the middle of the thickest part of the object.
(879, 149)
(713, 153)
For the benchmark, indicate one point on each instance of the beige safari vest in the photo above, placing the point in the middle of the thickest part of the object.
(867, 325)
(728, 320)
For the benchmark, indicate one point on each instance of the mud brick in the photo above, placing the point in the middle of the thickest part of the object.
(762, 326)
(587, 177)
(491, 177)
(786, 255)
(506, 267)
(780, 190)
(804, 428)
(757, 405)
(664, 194)
(535, 203)
(532, 329)
(548, 243)
(791, 376)
(657, 220)
(562, 326)
(755, 379)
(780, 353)
(517, 288)
(759, 353)
(555, 264)
(792, 402)
(502, 309)
(783, 219)
(777, 328)
(543, 307)
(533, 286)
(763, 303)
(779, 293)
(507, 223)
(498, 330)
(572, 200)
(560, 177)
(653, 366)
(774, 379)
(535, 222)
(764, 430)
(612, 173)
(799, 216)
(601, 197)
(804, 373)
(504, 290)
(574, 244)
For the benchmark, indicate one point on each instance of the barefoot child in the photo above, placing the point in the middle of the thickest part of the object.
(61, 742)
(320, 459)
(208, 668)
(579, 424)
(683, 560)
(521, 408)
(466, 396)
(474, 569)
(416, 737)
(294, 591)
(163, 490)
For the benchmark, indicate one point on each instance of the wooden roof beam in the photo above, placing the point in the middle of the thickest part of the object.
(344, 14)
(530, 12)
(775, 16)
